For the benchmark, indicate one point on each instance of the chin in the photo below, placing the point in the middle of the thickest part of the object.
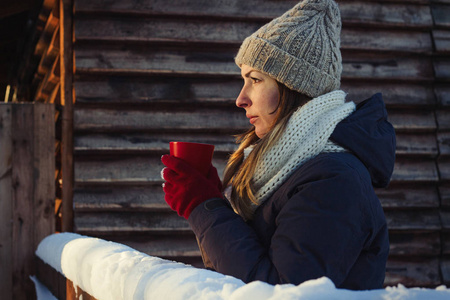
(259, 134)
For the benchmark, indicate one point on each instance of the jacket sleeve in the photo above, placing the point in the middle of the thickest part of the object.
(320, 231)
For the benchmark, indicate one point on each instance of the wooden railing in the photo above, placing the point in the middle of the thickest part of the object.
(61, 287)
(96, 269)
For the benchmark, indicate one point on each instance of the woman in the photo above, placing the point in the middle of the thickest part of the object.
(299, 192)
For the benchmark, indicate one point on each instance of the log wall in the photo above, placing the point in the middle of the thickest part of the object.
(441, 63)
(149, 72)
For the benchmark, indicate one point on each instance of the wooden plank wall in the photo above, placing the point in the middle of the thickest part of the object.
(148, 72)
(39, 78)
(26, 192)
(441, 63)
(6, 205)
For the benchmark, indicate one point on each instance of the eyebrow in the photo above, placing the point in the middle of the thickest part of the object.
(246, 75)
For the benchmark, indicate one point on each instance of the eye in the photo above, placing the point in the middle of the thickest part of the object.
(255, 80)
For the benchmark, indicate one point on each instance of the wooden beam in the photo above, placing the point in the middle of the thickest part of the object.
(413, 121)
(113, 60)
(116, 143)
(444, 168)
(44, 162)
(6, 202)
(48, 83)
(443, 94)
(90, 119)
(414, 170)
(410, 196)
(230, 33)
(47, 33)
(23, 204)
(442, 41)
(184, 245)
(126, 170)
(133, 120)
(408, 144)
(445, 219)
(111, 90)
(66, 64)
(12, 7)
(423, 272)
(445, 270)
(441, 15)
(442, 68)
(416, 144)
(417, 244)
(413, 220)
(117, 223)
(444, 191)
(443, 119)
(50, 55)
(373, 13)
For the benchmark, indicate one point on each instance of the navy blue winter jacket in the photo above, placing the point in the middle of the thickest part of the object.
(325, 220)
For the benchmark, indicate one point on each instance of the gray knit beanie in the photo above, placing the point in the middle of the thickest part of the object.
(300, 48)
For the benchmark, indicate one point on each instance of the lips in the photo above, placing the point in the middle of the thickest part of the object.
(252, 119)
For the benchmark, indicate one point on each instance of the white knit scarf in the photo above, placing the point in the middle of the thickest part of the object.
(306, 135)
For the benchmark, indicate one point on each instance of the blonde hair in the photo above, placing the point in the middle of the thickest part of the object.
(239, 172)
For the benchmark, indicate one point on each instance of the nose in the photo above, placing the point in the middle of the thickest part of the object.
(242, 100)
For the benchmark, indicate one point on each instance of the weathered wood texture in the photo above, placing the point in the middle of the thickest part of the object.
(39, 79)
(66, 95)
(6, 203)
(441, 37)
(52, 279)
(27, 166)
(148, 72)
(74, 292)
(60, 287)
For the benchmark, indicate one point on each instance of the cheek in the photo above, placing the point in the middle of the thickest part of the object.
(271, 106)
(272, 102)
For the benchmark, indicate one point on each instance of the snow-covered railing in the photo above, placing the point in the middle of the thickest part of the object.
(105, 270)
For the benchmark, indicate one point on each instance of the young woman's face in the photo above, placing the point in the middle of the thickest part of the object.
(259, 97)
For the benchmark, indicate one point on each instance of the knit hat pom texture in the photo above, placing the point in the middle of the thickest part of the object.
(300, 48)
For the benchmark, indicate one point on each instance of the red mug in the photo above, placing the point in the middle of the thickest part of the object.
(197, 155)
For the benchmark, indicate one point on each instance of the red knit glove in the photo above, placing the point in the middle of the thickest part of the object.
(185, 187)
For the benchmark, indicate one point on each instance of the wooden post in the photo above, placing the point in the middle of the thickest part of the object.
(76, 293)
(27, 192)
(44, 171)
(23, 206)
(66, 63)
(5, 202)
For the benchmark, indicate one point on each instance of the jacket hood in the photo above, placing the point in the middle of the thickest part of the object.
(369, 135)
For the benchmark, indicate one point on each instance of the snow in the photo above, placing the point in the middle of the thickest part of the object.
(109, 271)
(42, 293)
